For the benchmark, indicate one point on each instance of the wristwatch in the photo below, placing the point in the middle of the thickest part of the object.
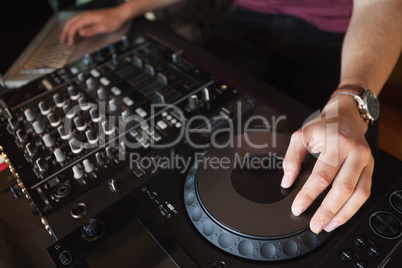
(367, 102)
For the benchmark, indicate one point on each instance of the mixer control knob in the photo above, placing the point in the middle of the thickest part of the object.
(91, 84)
(88, 166)
(91, 136)
(193, 103)
(205, 95)
(14, 123)
(149, 69)
(84, 104)
(92, 229)
(69, 111)
(137, 62)
(112, 49)
(94, 113)
(108, 127)
(102, 94)
(44, 107)
(114, 185)
(109, 152)
(126, 114)
(60, 156)
(115, 60)
(38, 127)
(161, 78)
(99, 158)
(75, 146)
(81, 77)
(80, 123)
(126, 42)
(100, 57)
(72, 91)
(58, 100)
(22, 135)
(31, 149)
(87, 60)
(29, 115)
(42, 164)
(113, 105)
(77, 171)
(48, 140)
(64, 134)
(53, 120)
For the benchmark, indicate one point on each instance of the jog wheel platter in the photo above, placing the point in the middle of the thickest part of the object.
(234, 199)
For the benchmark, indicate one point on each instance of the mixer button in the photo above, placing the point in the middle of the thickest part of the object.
(38, 127)
(75, 146)
(74, 70)
(95, 73)
(53, 120)
(346, 255)
(141, 112)
(386, 224)
(116, 91)
(104, 81)
(92, 229)
(48, 140)
(42, 164)
(373, 251)
(29, 115)
(359, 264)
(58, 100)
(161, 124)
(359, 241)
(60, 156)
(127, 101)
(396, 200)
(77, 171)
(88, 166)
(44, 108)
(65, 135)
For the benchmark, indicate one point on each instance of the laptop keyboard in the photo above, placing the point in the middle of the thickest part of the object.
(50, 54)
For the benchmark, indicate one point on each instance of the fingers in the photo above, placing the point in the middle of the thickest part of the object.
(76, 25)
(293, 159)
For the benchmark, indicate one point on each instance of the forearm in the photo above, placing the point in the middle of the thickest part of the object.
(372, 43)
(134, 8)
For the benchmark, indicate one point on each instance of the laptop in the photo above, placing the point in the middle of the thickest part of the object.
(29, 41)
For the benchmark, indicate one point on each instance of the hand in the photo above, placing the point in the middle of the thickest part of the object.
(345, 160)
(93, 22)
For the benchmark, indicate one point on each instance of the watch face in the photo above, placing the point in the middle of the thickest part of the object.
(373, 106)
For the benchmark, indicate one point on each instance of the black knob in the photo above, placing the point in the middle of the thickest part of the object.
(92, 229)
(87, 60)
(115, 60)
(94, 113)
(137, 62)
(53, 120)
(72, 91)
(386, 224)
(112, 48)
(149, 69)
(81, 77)
(102, 94)
(193, 103)
(44, 107)
(58, 100)
(91, 84)
(126, 42)
(100, 57)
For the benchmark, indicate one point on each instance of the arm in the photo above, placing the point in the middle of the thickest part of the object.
(107, 20)
(371, 48)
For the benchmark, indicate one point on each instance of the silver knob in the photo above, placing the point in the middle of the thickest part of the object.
(44, 107)
(64, 134)
(48, 140)
(75, 148)
(88, 167)
(77, 171)
(29, 115)
(38, 127)
(60, 156)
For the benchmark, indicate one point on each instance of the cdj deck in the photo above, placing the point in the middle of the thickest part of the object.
(150, 153)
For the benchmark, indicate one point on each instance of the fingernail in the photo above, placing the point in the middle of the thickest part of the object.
(332, 225)
(297, 210)
(317, 227)
(286, 180)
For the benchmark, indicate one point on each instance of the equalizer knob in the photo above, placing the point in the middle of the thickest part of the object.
(64, 134)
(137, 62)
(92, 137)
(94, 113)
(75, 146)
(48, 140)
(44, 107)
(38, 127)
(80, 124)
(102, 94)
(115, 60)
(77, 171)
(29, 115)
(81, 77)
(72, 91)
(84, 104)
(92, 229)
(113, 106)
(58, 100)
(60, 156)
(108, 127)
(53, 120)
(100, 57)
(91, 84)
(99, 158)
(88, 166)
(149, 69)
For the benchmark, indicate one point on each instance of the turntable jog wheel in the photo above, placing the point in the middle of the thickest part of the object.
(234, 199)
